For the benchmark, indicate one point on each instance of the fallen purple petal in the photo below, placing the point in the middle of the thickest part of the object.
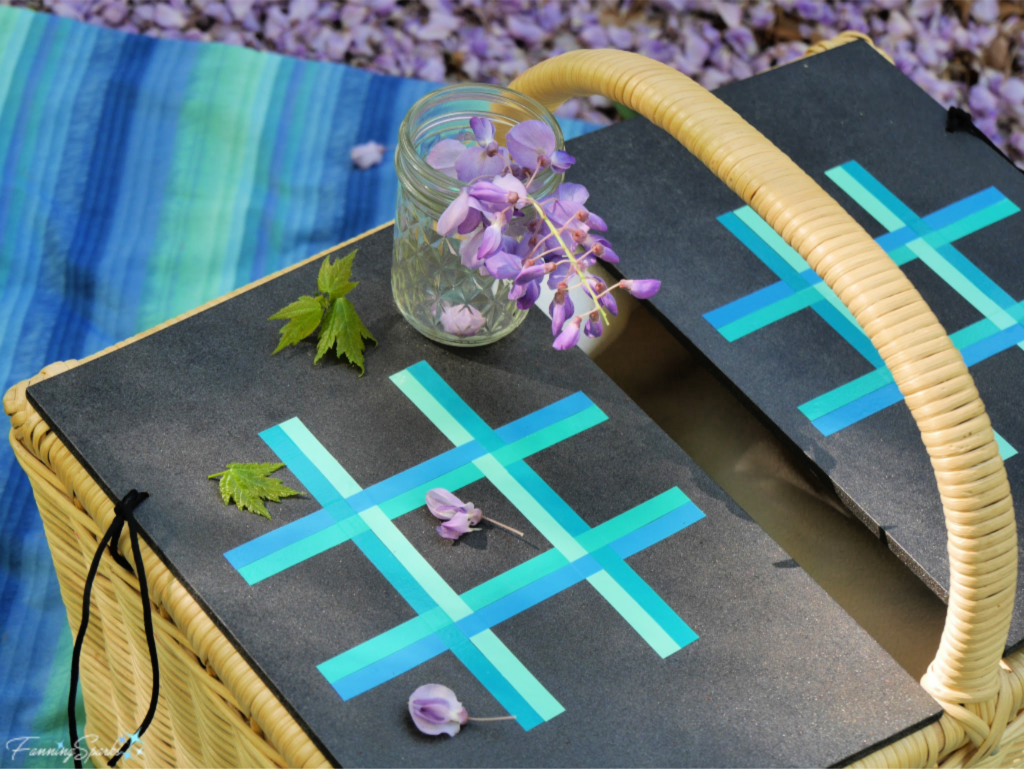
(367, 155)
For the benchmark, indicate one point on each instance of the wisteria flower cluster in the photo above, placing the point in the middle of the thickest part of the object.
(510, 234)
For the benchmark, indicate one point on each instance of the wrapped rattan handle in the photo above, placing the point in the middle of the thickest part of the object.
(926, 366)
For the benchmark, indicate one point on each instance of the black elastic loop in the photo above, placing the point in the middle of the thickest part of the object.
(124, 513)
(959, 121)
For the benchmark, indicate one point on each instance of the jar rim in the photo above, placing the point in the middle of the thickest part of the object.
(492, 93)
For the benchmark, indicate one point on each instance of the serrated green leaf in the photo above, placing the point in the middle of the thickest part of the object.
(333, 279)
(343, 330)
(303, 316)
(249, 484)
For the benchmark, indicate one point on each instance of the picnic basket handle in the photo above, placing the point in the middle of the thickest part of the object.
(965, 676)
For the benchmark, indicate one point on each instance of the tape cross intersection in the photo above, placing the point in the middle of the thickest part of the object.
(463, 623)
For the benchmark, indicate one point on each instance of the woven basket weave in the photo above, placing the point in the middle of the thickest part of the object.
(214, 710)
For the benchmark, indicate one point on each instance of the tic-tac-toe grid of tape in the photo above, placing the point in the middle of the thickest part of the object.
(908, 237)
(445, 619)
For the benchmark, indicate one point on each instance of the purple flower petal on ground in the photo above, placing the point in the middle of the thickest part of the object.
(569, 337)
(642, 289)
(529, 142)
(523, 29)
(443, 156)
(454, 528)
(169, 17)
(115, 13)
(301, 10)
(435, 710)
(367, 155)
(462, 320)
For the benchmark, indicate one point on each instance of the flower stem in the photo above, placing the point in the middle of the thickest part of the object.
(495, 718)
(514, 531)
(572, 259)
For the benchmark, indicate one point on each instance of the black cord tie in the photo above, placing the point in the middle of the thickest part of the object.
(124, 513)
(959, 121)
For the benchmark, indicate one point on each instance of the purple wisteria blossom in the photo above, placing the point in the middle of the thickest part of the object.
(435, 710)
(458, 517)
(509, 233)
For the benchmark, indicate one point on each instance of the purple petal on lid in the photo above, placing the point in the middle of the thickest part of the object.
(454, 528)
(435, 710)
(442, 503)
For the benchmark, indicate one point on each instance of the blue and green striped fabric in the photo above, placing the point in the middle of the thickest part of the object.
(138, 179)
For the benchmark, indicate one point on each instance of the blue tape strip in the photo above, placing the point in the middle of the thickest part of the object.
(764, 252)
(383, 671)
(300, 465)
(657, 530)
(487, 674)
(566, 517)
(986, 348)
(644, 594)
(528, 596)
(277, 539)
(980, 280)
(886, 198)
(409, 479)
(395, 573)
(751, 303)
(851, 332)
(455, 406)
(863, 407)
(545, 417)
(972, 204)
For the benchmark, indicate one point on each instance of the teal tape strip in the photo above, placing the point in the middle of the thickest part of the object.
(843, 176)
(631, 611)
(1005, 449)
(539, 698)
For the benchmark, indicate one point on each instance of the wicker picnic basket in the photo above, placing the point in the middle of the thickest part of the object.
(215, 711)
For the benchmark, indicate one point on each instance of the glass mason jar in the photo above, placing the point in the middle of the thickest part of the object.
(437, 294)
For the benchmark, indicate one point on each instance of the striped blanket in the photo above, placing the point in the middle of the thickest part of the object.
(140, 178)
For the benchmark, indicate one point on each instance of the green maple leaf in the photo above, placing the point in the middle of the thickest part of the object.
(333, 279)
(343, 330)
(249, 484)
(303, 316)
